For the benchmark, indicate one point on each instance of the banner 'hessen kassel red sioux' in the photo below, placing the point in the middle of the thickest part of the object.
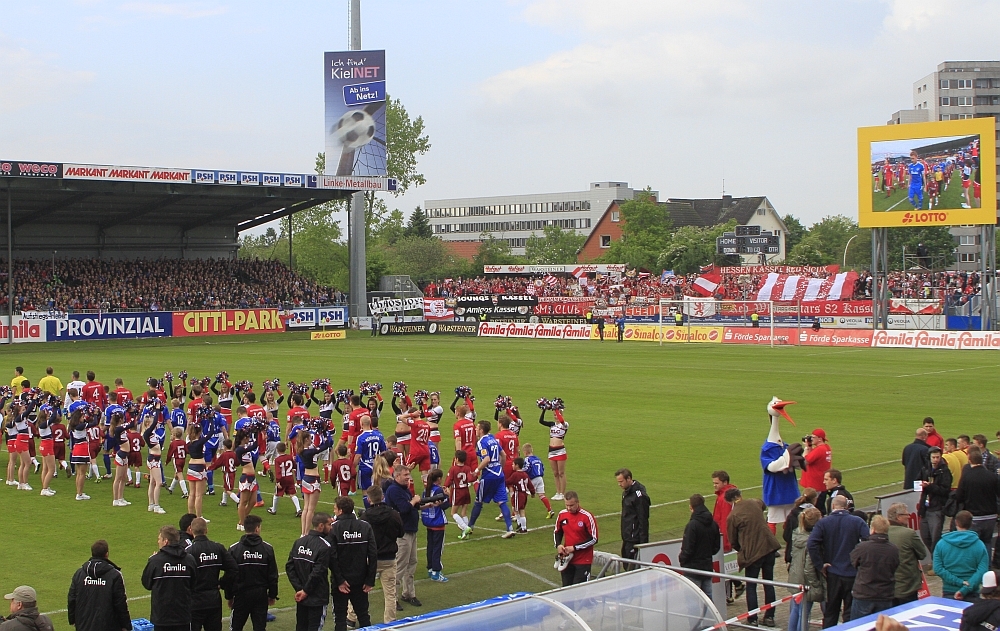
(227, 322)
(535, 331)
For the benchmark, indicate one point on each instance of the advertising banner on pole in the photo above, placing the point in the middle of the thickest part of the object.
(331, 316)
(354, 86)
(300, 318)
(227, 322)
(109, 326)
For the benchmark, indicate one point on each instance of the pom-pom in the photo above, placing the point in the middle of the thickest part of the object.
(168, 376)
(222, 377)
(557, 404)
(244, 385)
(344, 396)
(321, 384)
(399, 388)
(365, 389)
(464, 392)
(421, 396)
(502, 403)
(182, 375)
(543, 404)
(206, 382)
(206, 413)
(6, 392)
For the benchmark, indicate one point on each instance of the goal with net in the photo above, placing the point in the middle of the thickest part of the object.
(693, 312)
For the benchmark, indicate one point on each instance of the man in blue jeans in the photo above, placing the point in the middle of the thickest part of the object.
(830, 545)
(876, 561)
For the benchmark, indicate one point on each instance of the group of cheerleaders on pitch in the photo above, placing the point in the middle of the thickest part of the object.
(35, 412)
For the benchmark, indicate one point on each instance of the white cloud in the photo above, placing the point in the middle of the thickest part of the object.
(31, 79)
(184, 10)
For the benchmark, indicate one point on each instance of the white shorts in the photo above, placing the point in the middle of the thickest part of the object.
(539, 484)
(778, 514)
(272, 451)
(323, 455)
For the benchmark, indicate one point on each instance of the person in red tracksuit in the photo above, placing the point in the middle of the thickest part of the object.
(721, 484)
(575, 534)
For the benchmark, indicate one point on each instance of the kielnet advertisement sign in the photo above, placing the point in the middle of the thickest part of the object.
(354, 85)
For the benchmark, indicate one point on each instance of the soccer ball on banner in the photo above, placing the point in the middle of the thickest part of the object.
(355, 128)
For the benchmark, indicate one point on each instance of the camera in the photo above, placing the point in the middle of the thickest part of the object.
(808, 439)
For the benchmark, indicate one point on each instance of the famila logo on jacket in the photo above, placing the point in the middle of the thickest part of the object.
(304, 550)
(250, 554)
(352, 535)
(94, 581)
(180, 567)
(208, 556)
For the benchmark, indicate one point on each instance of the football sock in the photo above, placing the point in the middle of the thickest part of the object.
(64, 464)
(460, 521)
(274, 503)
(184, 487)
(522, 522)
(236, 498)
(95, 470)
(773, 527)
(107, 463)
(173, 484)
(545, 500)
(295, 500)
(259, 498)
(128, 474)
(478, 508)
(505, 510)
(211, 480)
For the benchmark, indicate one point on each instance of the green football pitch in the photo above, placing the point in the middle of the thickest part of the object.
(672, 414)
(898, 200)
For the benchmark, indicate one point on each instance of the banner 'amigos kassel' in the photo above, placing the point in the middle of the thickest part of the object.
(109, 326)
(514, 308)
(227, 322)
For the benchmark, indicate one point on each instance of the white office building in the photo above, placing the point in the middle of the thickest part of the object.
(515, 217)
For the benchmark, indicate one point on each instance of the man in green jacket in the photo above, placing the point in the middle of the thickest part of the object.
(911, 551)
(961, 559)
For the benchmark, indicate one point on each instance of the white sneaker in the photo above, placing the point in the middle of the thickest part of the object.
(125, 502)
(118, 503)
(82, 496)
(158, 510)
(46, 493)
(240, 527)
(558, 497)
(12, 483)
(149, 509)
(207, 520)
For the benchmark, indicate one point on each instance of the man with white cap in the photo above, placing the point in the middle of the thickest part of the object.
(984, 614)
(24, 614)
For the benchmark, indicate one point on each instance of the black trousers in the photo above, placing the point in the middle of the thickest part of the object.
(208, 619)
(358, 599)
(251, 604)
(763, 568)
(574, 574)
(838, 591)
(621, 334)
(160, 627)
(309, 618)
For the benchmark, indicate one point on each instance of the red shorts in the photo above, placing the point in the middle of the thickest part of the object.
(965, 183)
(284, 486)
(95, 448)
(343, 488)
(59, 450)
(420, 458)
(135, 458)
(179, 464)
(12, 446)
(470, 456)
(228, 481)
(518, 501)
(460, 497)
(47, 448)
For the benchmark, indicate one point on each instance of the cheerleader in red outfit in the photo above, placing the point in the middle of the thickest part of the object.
(308, 451)
(557, 445)
(47, 448)
(247, 452)
(196, 471)
(19, 412)
(154, 461)
(120, 444)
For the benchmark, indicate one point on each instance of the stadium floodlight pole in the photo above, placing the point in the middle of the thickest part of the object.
(356, 223)
(10, 271)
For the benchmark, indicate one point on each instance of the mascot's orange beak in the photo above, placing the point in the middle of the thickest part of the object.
(779, 407)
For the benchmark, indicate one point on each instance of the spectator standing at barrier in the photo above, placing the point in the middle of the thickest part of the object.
(620, 325)
(635, 513)
(170, 576)
(388, 527)
(819, 459)
(801, 570)
(961, 559)
(211, 559)
(256, 584)
(575, 537)
(955, 459)
(830, 546)
(876, 561)
(984, 614)
(755, 545)
(915, 459)
(600, 327)
(990, 461)
(701, 541)
(977, 493)
(721, 484)
(911, 552)
(399, 497)
(806, 500)
(353, 565)
(833, 483)
(306, 568)
(933, 438)
(97, 600)
(933, 497)
(24, 614)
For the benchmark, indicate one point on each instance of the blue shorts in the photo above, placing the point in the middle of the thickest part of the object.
(491, 490)
(364, 479)
(435, 454)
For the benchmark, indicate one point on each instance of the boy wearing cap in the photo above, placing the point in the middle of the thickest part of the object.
(819, 459)
(24, 614)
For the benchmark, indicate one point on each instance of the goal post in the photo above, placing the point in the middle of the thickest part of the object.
(695, 312)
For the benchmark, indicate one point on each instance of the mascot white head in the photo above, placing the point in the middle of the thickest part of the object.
(776, 410)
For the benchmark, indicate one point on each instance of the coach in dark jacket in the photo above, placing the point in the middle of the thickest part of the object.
(306, 568)
(170, 575)
(978, 490)
(702, 540)
(933, 497)
(211, 559)
(830, 545)
(915, 458)
(388, 527)
(876, 561)
(635, 513)
(355, 565)
(97, 599)
(256, 584)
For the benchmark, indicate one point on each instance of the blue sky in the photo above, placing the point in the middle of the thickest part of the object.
(518, 96)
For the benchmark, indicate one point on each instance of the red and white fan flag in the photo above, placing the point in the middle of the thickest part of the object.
(551, 280)
(706, 284)
(791, 288)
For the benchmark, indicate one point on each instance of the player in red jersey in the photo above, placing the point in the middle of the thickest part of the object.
(121, 393)
(227, 462)
(509, 443)
(59, 434)
(575, 534)
(284, 481)
(297, 415)
(465, 434)
(352, 423)
(520, 488)
(459, 480)
(343, 471)
(887, 177)
(136, 443)
(177, 453)
(195, 402)
(95, 436)
(93, 391)
(420, 437)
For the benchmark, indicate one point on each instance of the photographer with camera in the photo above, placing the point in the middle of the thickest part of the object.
(819, 459)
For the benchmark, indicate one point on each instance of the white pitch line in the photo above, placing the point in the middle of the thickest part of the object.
(537, 577)
(938, 372)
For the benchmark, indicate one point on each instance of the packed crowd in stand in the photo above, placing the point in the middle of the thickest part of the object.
(160, 285)
(613, 289)
(954, 287)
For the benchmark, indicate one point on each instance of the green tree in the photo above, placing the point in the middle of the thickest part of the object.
(795, 231)
(423, 259)
(691, 247)
(418, 225)
(555, 246)
(646, 230)
(493, 251)
(405, 142)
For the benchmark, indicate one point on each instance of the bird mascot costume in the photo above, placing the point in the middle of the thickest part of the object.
(779, 462)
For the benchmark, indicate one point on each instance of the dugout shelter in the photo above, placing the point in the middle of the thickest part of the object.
(116, 212)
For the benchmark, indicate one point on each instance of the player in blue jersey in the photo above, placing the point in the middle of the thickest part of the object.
(492, 487)
(918, 181)
(177, 416)
(369, 445)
